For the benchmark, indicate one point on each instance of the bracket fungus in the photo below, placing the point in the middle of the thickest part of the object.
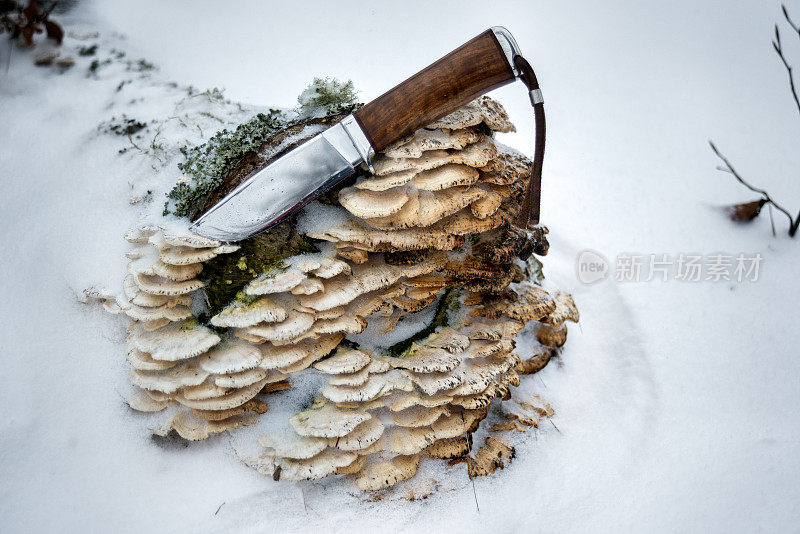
(383, 474)
(383, 321)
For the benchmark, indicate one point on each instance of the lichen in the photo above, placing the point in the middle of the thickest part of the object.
(327, 96)
(448, 305)
(533, 269)
(208, 164)
(243, 299)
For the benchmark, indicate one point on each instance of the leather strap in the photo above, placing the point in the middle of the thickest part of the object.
(528, 216)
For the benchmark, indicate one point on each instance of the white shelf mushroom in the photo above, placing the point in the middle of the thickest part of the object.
(231, 357)
(362, 436)
(293, 325)
(367, 204)
(445, 177)
(276, 282)
(383, 474)
(482, 110)
(169, 380)
(324, 464)
(240, 315)
(418, 416)
(142, 361)
(194, 428)
(327, 421)
(292, 445)
(424, 140)
(228, 400)
(178, 341)
(188, 255)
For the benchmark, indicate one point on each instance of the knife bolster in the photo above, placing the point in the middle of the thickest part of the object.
(464, 74)
(349, 140)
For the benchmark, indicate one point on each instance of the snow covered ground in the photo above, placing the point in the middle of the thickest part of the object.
(675, 401)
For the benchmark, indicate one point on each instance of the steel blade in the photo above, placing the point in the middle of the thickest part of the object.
(282, 187)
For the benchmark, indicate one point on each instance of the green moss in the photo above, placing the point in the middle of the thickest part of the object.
(244, 299)
(87, 50)
(448, 305)
(188, 324)
(264, 253)
(122, 126)
(309, 401)
(96, 64)
(141, 65)
(347, 344)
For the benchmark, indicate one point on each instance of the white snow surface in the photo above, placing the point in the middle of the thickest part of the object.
(676, 403)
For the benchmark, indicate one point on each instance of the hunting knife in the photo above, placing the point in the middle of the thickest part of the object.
(286, 185)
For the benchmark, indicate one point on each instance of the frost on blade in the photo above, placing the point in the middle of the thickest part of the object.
(372, 333)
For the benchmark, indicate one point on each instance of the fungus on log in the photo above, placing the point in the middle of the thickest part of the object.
(323, 302)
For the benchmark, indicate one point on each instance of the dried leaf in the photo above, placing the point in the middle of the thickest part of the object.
(746, 211)
(54, 31)
(27, 35)
(32, 12)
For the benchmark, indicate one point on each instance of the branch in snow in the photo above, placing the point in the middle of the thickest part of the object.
(765, 197)
(750, 210)
(776, 44)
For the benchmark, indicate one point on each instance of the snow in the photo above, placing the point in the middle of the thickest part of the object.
(675, 402)
(373, 338)
(318, 217)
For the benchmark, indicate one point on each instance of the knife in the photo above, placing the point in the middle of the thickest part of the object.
(286, 185)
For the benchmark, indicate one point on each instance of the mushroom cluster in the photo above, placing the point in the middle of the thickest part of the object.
(426, 238)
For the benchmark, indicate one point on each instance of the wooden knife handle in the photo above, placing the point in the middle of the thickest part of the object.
(464, 74)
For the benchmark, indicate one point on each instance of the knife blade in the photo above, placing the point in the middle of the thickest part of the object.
(290, 182)
(284, 186)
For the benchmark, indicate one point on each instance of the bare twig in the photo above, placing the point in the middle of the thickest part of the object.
(789, 20)
(46, 12)
(776, 44)
(8, 60)
(793, 223)
(474, 493)
(771, 220)
(137, 147)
